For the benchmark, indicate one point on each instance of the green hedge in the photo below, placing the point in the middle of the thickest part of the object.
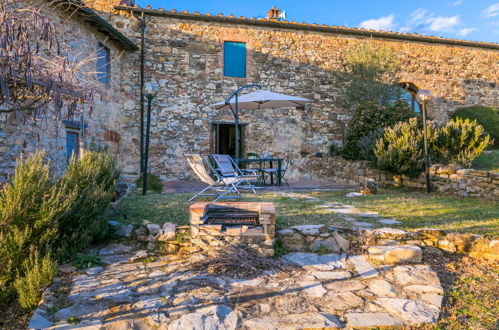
(488, 117)
(43, 220)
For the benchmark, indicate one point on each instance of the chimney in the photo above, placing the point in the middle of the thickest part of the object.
(274, 14)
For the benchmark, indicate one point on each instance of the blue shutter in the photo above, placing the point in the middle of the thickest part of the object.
(72, 145)
(235, 59)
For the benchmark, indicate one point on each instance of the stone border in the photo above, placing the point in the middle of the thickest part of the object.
(445, 179)
(310, 238)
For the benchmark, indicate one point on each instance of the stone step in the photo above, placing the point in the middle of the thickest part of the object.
(362, 266)
(395, 254)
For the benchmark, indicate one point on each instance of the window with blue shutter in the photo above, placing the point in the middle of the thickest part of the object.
(235, 59)
(72, 144)
(104, 64)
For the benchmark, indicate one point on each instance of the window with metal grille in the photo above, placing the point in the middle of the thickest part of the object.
(104, 64)
(235, 59)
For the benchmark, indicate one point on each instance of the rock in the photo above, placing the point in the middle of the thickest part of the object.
(415, 274)
(494, 246)
(362, 224)
(362, 267)
(247, 282)
(285, 232)
(418, 288)
(368, 215)
(370, 320)
(167, 233)
(433, 251)
(412, 312)
(94, 271)
(431, 298)
(124, 230)
(445, 245)
(213, 317)
(345, 286)
(354, 194)
(141, 254)
(329, 244)
(341, 300)
(296, 242)
(389, 221)
(391, 233)
(294, 321)
(312, 288)
(309, 229)
(341, 241)
(153, 228)
(330, 275)
(325, 262)
(115, 249)
(39, 322)
(116, 258)
(346, 210)
(382, 288)
(395, 254)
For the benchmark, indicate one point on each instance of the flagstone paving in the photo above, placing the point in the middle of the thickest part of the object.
(327, 291)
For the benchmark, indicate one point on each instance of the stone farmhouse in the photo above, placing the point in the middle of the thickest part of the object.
(199, 59)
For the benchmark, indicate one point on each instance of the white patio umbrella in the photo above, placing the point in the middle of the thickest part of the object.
(259, 99)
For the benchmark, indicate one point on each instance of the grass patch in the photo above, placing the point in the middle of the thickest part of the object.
(415, 209)
(488, 161)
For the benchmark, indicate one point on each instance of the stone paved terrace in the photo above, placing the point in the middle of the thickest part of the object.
(187, 186)
(135, 289)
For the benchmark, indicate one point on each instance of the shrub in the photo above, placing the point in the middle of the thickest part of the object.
(460, 141)
(367, 144)
(37, 275)
(400, 150)
(369, 117)
(88, 186)
(43, 219)
(154, 183)
(488, 117)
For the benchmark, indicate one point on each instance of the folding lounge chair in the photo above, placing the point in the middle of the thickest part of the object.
(227, 168)
(223, 188)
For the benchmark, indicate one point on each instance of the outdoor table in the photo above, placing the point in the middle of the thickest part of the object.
(271, 162)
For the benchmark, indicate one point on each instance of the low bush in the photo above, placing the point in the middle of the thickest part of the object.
(369, 117)
(488, 117)
(459, 141)
(400, 150)
(367, 144)
(37, 275)
(154, 183)
(43, 219)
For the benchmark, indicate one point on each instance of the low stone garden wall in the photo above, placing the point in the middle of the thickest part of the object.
(447, 179)
(385, 244)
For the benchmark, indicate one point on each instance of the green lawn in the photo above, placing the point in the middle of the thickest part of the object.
(488, 161)
(414, 209)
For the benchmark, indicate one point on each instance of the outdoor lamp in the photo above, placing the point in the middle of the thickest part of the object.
(423, 97)
(150, 92)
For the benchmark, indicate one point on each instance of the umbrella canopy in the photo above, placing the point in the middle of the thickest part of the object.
(262, 99)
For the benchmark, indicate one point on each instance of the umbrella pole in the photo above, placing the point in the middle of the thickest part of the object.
(236, 120)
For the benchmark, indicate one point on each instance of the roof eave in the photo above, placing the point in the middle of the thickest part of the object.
(315, 28)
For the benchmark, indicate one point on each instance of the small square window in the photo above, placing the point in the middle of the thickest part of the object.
(104, 64)
(235, 59)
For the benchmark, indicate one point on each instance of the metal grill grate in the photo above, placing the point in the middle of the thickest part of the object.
(229, 216)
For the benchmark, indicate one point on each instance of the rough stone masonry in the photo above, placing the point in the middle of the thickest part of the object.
(184, 55)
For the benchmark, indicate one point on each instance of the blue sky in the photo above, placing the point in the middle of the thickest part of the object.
(476, 20)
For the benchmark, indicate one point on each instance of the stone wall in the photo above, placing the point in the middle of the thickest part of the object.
(104, 123)
(184, 55)
(383, 242)
(446, 179)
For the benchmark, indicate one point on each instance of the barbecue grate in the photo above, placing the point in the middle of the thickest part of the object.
(229, 216)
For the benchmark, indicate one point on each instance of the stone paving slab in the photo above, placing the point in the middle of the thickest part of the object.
(166, 294)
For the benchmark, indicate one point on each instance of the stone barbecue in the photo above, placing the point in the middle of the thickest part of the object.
(238, 223)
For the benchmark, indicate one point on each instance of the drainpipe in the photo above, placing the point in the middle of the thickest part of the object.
(142, 51)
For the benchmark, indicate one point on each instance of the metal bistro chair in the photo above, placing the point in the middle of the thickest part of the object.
(227, 168)
(254, 170)
(274, 172)
(223, 188)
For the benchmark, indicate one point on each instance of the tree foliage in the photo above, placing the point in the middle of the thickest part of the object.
(488, 117)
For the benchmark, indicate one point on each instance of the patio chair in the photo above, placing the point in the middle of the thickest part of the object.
(227, 168)
(275, 172)
(223, 188)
